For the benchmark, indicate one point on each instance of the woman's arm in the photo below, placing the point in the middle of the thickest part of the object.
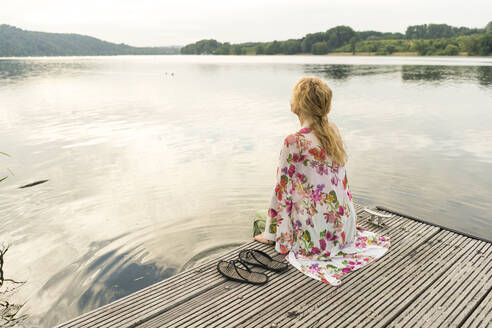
(278, 225)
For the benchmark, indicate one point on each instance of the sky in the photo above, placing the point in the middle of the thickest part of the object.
(179, 22)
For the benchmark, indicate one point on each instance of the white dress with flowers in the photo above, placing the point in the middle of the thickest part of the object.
(312, 217)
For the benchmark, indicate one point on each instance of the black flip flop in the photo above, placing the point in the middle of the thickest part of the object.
(262, 259)
(231, 270)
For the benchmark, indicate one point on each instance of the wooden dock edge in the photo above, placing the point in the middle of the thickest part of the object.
(382, 208)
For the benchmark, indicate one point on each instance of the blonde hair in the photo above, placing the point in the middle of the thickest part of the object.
(311, 101)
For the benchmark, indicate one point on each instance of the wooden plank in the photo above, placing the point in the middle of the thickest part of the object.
(221, 308)
(383, 297)
(448, 301)
(481, 317)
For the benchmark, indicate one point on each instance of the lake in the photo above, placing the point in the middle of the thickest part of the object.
(157, 163)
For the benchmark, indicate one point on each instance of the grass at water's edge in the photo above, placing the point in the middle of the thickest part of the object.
(9, 313)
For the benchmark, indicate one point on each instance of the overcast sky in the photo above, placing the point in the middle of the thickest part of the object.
(178, 22)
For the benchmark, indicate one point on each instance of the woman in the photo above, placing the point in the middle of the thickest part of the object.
(311, 215)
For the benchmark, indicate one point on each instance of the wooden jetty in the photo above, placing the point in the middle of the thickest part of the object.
(430, 277)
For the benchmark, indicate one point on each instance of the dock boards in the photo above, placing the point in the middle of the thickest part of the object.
(430, 277)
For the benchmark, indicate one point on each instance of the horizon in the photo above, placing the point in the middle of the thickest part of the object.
(149, 24)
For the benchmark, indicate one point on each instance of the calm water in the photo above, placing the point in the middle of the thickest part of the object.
(150, 173)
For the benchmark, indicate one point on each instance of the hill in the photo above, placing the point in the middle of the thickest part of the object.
(17, 42)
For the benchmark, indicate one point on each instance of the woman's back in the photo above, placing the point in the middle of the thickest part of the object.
(316, 193)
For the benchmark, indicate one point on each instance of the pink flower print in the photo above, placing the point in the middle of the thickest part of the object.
(284, 170)
(359, 244)
(346, 270)
(315, 250)
(288, 206)
(322, 244)
(349, 194)
(327, 254)
(334, 169)
(382, 238)
(305, 130)
(272, 213)
(340, 210)
(291, 171)
(298, 158)
(290, 139)
(315, 196)
(309, 222)
(301, 177)
(299, 233)
(284, 249)
(297, 225)
(334, 180)
(352, 263)
(321, 169)
(314, 268)
(330, 236)
(320, 187)
(330, 217)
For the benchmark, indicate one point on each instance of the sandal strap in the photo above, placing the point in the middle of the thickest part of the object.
(252, 252)
(233, 262)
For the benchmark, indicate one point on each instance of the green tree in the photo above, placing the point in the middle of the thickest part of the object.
(353, 42)
(310, 39)
(291, 47)
(389, 49)
(488, 27)
(420, 47)
(451, 50)
(320, 48)
(236, 50)
(485, 45)
(224, 49)
(260, 50)
(339, 35)
(273, 48)
(207, 46)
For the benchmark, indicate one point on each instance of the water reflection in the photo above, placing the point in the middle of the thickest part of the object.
(12, 70)
(408, 73)
(151, 174)
(484, 75)
(95, 280)
(343, 72)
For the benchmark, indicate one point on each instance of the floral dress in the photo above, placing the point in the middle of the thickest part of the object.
(312, 217)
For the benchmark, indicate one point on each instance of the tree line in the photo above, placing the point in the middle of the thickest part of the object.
(426, 39)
